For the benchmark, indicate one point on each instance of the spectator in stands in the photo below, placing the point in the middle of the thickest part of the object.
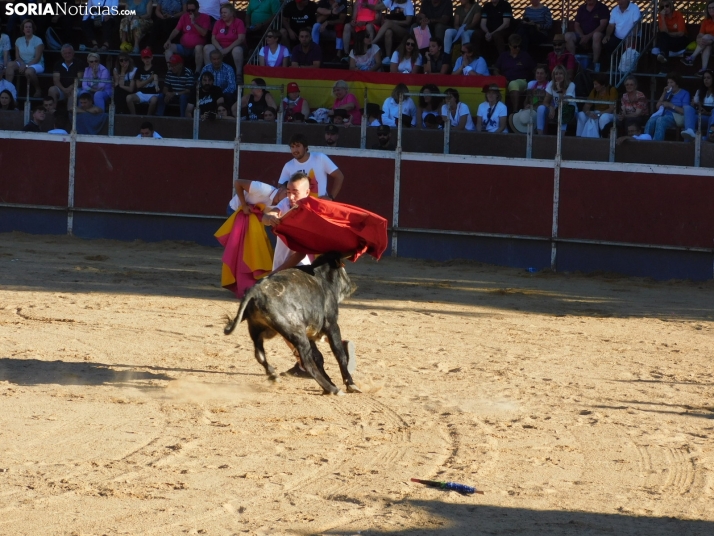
(438, 15)
(270, 114)
(591, 21)
(294, 103)
(470, 63)
(85, 104)
(390, 108)
(495, 26)
(147, 131)
(374, 114)
(492, 114)
(603, 114)
(364, 19)
(167, 15)
(517, 66)
(256, 101)
(193, 27)
(178, 85)
(701, 106)
(307, 53)
(122, 77)
(228, 39)
(7, 86)
(535, 25)
(97, 81)
(406, 59)
(133, 28)
(561, 56)
(341, 118)
(223, 76)
(365, 56)
(273, 54)
(634, 132)
(64, 73)
(259, 15)
(331, 17)
(297, 15)
(28, 57)
(210, 97)
(7, 101)
(49, 105)
(344, 100)
(98, 16)
(670, 108)
(428, 105)
(623, 18)
(672, 33)
(61, 125)
(436, 61)
(535, 91)
(384, 140)
(559, 87)
(332, 135)
(395, 23)
(144, 86)
(457, 113)
(41, 22)
(705, 39)
(4, 52)
(633, 105)
(467, 17)
(223, 114)
(36, 119)
(212, 8)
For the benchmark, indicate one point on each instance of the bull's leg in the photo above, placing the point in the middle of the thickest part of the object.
(257, 334)
(319, 361)
(302, 343)
(334, 337)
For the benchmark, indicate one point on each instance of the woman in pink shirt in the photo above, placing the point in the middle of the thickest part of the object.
(193, 27)
(228, 38)
(345, 100)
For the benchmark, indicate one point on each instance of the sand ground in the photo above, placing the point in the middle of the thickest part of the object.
(579, 405)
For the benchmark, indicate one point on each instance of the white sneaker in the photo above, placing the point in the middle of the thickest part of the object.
(689, 133)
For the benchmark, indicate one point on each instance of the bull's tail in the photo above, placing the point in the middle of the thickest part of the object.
(232, 323)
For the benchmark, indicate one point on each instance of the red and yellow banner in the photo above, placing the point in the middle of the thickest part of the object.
(316, 84)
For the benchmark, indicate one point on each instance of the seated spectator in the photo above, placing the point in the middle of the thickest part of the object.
(147, 131)
(457, 113)
(705, 39)
(602, 114)
(495, 26)
(390, 108)
(294, 103)
(259, 15)
(167, 15)
(672, 31)
(406, 59)
(590, 24)
(384, 139)
(467, 17)
(670, 108)
(341, 118)
(517, 66)
(344, 100)
(256, 101)
(133, 28)
(558, 88)
(270, 114)
(492, 114)
(437, 15)
(193, 27)
(332, 135)
(633, 105)
(122, 78)
(7, 101)
(535, 25)
(297, 15)
(178, 85)
(97, 81)
(535, 91)
(61, 125)
(634, 132)
(28, 57)
(365, 56)
(273, 54)
(433, 122)
(364, 19)
(560, 56)
(470, 63)
(224, 114)
(701, 106)
(623, 18)
(36, 119)
(223, 76)
(331, 17)
(306, 53)
(98, 16)
(64, 73)
(374, 114)
(210, 97)
(436, 61)
(7, 86)
(48, 103)
(144, 86)
(90, 119)
(395, 23)
(428, 105)
(85, 105)
(4, 52)
(228, 39)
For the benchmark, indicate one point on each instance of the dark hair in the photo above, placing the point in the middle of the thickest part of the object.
(13, 104)
(298, 176)
(147, 125)
(259, 82)
(674, 75)
(471, 48)
(62, 121)
(193, 2)
(706, 9)
(359, 48)
(34, 26)
(703, 90)
(305, 29)
(373, 110)
(298, 138)
(38, 107)
(603, 79)
(438, 40)
(435, 101)
(454, 92)
(270, 109)
(85, 96)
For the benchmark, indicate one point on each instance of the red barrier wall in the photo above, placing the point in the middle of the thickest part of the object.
(477, 198)
(34, 172)
(637, 207)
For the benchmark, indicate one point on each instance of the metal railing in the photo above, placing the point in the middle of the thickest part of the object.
(624, 58)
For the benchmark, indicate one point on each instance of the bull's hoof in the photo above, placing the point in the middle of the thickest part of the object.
(352, 388)
(274, 377)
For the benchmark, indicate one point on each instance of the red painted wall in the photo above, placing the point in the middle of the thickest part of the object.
(34, 173)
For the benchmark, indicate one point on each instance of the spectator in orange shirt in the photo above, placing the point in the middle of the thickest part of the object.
(672, 36)
(705, 39)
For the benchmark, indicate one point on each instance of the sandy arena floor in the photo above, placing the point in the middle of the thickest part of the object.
(579, 405)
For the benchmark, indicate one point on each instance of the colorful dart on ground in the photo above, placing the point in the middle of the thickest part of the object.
(454, 486)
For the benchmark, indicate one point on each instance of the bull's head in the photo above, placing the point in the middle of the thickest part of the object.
(330, 267)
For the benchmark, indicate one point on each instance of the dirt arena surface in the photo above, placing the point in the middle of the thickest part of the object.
(579, 405)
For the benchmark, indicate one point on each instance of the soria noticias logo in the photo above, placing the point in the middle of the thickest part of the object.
(58, 8)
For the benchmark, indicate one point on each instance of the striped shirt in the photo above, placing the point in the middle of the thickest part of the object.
(540, 16)
(178, 83)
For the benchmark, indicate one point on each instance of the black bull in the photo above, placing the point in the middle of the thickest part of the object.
(301, 305)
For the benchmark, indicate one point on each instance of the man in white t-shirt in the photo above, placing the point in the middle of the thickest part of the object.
(317, 166)
(623, 18)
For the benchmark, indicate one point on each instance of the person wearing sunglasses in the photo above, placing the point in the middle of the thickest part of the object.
(672, 35)
(705, 39)
(561, 56)
(97, 81)
(193, 27)
(396, 23)
(273, 54)
(470, 62)
(122, 75)
(406, 59)
(517, 66)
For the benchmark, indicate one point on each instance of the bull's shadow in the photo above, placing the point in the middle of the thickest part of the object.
(474, 519)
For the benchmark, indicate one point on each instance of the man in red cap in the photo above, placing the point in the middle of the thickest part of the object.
(178, 85)
(145, 83)
(307, 53)
(294, 103)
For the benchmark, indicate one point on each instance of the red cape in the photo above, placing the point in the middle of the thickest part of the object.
(317, 226)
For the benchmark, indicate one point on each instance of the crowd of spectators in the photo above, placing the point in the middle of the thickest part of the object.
(205, 45)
